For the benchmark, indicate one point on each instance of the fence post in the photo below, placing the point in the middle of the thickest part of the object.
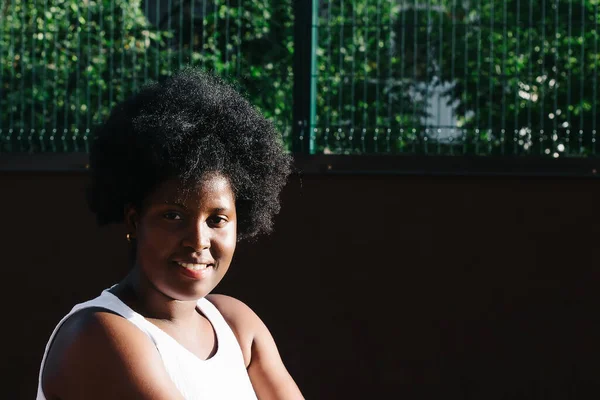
(303, 112)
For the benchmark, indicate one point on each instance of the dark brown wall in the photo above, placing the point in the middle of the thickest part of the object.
(373, 286)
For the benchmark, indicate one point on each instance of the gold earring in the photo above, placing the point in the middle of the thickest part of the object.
(128, 236)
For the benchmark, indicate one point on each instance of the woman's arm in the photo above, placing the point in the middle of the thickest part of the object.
(99, 355)
(268, 375)
(270, 379)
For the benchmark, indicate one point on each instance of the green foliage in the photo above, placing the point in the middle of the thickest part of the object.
(369, 98)
(64, 63)
(521, 76)
(528, 77)
(249, 43)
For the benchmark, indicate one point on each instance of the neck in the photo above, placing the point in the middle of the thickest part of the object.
(144, 298)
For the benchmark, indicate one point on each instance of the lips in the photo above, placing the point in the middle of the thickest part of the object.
(196, 270)
(194, 266)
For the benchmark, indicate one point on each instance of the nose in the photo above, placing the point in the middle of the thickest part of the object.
(198, 236)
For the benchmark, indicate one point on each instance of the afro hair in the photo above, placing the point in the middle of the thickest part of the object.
(185, 127)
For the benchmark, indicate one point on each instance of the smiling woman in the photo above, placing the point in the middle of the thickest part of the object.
(185, 246)
(190, 167)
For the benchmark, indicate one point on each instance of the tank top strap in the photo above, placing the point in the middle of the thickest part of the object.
(111, 302)
(228, 345)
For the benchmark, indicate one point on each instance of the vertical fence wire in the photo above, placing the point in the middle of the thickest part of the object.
(42, 131)
(556, 79)
(503, 78)
(204, 25)
(439, 68)
(100, 56)
(112, 53)
(491, 81)
(180, 41)
(595, 78)
(2, 57)
(365, 106)
(342, 75)
(478, 78)
(33, 37)
(453, 70)
(390, 84)
(238, 59)
(216, 23)
(65, 97)
(377, 77)
(530, 70)
(427, 66)
(146, 38)
(353, 76)
(124, 87)
(328, 77)
(132, 47)
(582, 78)
(55, 90)
(569, 75)
(191, 27)
(467, 28)
(543, 78)
(404, 7)
(88, 94)
(169, 29)
(157, 23)
(77, 33)
(22, 70)
(517, 77)
(227, 44)
(414, 70)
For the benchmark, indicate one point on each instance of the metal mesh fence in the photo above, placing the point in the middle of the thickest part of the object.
(447, 77)
(499, 77)
(65, 63)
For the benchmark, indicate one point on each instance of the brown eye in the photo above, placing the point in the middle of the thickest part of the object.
(172, 215)
(218, 220)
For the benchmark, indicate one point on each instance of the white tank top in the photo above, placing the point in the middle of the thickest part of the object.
(223, 376)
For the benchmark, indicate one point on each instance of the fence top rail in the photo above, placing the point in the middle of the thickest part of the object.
(371, 164)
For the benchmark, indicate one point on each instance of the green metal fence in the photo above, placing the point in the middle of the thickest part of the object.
(65, 63)
(447, 77)
(493, 77)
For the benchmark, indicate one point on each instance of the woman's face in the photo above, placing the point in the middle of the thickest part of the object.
(185, 244)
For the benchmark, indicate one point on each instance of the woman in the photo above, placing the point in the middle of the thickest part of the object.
(190, 167)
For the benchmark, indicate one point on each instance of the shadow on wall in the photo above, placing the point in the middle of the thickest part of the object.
(373, 287)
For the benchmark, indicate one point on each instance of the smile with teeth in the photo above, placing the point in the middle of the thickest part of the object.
(194, 267)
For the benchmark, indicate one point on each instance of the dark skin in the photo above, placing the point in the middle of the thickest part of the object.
(171, 233)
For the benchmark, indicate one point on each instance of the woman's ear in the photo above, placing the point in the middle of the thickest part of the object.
(131, 220)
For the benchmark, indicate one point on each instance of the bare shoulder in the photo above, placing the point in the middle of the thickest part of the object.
(270, 379)
(82, 332)
(95, 347)
(241, 319)
(234, 310)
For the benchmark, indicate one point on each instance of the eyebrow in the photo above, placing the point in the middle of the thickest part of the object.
(174, 203)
